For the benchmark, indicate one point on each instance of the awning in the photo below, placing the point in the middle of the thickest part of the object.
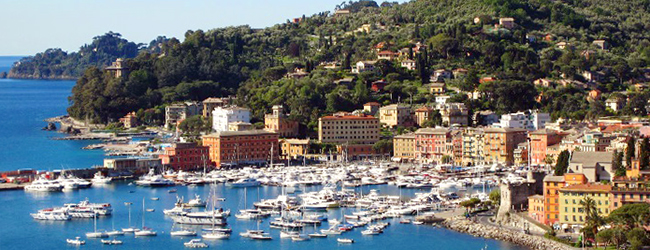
(396, 159)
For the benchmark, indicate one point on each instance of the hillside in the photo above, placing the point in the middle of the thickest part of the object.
(548, 39)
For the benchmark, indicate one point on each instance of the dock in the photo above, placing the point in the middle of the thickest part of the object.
(11, 186)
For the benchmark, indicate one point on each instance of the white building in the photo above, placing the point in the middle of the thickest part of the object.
(222, 116)
(442, 99)
(530, 120)
(363, 66)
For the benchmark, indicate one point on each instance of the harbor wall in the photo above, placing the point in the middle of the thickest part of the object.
(462, 225)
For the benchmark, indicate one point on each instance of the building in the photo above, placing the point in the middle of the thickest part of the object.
(348, 128)
(442, 99)
(520, 154)
(211, 103)
(600, 44)
(473, 146)
(239, 126)
(423, 114)
(551, 193)
(627, 190)
(431, 144)
(596, 166)
(484, 118)
(500, 143)
(222, 116)
(404, 147)
(341, 12)
(371, 108)
(132, 164)
(394, 115)
(453, 114)
(232, 148)
(540, 140)
(294, 148)
(594, 95)
(615, 103)
(530, 120)
(408, 64)
(185, 156)
(437, 88)
(572, 212)
(130, 120)
(278, 122)
(386, 55)
(118, 68)
(176, 113)
(536, 207)
(363, 66)
(353, 152)
(378, 85)
(507, 22)
(440, 75)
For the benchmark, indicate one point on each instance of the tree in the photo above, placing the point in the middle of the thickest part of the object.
(562, 163)
(592, 217)
(637, 238)
(629, 151)
(617, 163)
(644, 154)
(434, 120)
(446, 159)
(615, 236)
(495, 196)
(470, 204)
(630, 215)
(383, 146)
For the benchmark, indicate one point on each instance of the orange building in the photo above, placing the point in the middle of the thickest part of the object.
(627, 190)
(500, 144)
(552, 186)
(536, 207)
(231, 148)
(185, 156)
(540, 140)
(278, 122)
(356, 151)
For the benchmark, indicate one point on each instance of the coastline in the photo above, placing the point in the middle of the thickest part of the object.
(462, 225)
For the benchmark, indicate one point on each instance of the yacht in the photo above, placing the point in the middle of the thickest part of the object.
(215, 235)
(145, 231)
(248, 182)
(343, 240)
(52, 214)
(154, 180)
(44, 185)
(102, 209)
(95, 233)
(183, 233)
(288, 234)
(216, 217)
(195, 243)
(196, 202)
(98, 178)
(76, 241)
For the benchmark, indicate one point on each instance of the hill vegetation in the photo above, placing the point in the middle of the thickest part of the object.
(550, 39)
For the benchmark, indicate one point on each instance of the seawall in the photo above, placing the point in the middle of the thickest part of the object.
(462, 225)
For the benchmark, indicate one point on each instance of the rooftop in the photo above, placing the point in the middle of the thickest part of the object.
(589, 187)
(432, 131)
(591, 158)
(553, 178)
(240, 133)
(348, 117)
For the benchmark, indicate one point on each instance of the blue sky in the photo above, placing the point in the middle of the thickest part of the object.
(31, 26)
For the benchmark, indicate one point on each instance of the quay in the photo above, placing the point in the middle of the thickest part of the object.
(11, 186)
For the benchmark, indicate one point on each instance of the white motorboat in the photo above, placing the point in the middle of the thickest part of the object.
(344, 240)
(195, 243)
(44, 185)
(288, 234)
(196, 202)
(370, 232)
(154, 180)
(183, 233)
(86, 206)
(52, 214)
(261, 237)
(76, 241)
(98, 178)
(317, 235)
(112, 242)
(202, 218)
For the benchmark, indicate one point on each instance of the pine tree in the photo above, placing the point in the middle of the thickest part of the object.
(562, 163)
(644, 154)
(617, 164)
(629, 151)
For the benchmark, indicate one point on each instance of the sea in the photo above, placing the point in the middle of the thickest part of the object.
(24, 104)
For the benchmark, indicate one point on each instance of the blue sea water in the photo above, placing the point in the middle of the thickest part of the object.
(23, 106)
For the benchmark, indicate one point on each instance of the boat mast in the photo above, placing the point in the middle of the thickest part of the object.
(142, 212)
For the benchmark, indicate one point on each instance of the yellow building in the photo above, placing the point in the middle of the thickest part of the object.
(500, 144)
(404, 147)
(294, 148)
(437, 88)
(348, 128)
(278, 122)
(572, 212)
(394, 115)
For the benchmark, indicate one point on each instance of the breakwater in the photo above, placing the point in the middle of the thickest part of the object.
(462, 225)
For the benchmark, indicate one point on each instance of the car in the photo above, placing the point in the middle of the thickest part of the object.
(3, 181)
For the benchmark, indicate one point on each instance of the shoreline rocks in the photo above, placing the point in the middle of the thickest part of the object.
(485, 231)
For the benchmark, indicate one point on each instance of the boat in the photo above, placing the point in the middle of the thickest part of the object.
(260, 237)
(370, 232)
(154, 180)
(288, 234)
(52, 214)
(196, 202)
(183, 233)
(98, 178)
(95, 233)
(130, 229)
(247, 182)
(202, 218)
(145, 231)
(344, 240)
(300, 238)
(115, 233)
(214, 235)
(86, 209)
(171, 191)
(76, 241)
(405, 221)
(195, 243)
(44, 185)
(316, 234)
(155, 198)
(150, 210)
(111, 242)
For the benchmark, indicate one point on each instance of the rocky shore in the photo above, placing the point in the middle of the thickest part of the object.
(462, 225)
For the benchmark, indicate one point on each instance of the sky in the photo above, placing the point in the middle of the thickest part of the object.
(31, 26)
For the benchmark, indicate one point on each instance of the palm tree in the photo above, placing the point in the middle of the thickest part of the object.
(592, 217)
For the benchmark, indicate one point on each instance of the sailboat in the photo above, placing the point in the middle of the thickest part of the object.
(316, 234)
(214, 234)
(145, 231)
(114, 232)
(96, 234)
(257, 234)
(130, 229)
(182, 232)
